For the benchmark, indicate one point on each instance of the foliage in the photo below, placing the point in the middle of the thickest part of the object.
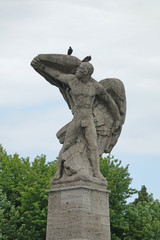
(143, 216)
(119, 182)
(143, 196)
(23, 200)
(23, 196)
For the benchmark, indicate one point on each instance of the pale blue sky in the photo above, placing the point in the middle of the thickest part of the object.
(123, 39)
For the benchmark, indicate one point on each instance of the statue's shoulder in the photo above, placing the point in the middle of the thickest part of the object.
(72, 80)
(94, 82)
(98, 86)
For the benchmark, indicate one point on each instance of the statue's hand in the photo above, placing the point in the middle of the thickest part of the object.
(36, 63)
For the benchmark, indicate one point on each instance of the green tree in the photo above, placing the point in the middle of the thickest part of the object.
(143, 196)
(23, 191)
(9, 217)
(143, 217)
(23, 200)
(119, 181)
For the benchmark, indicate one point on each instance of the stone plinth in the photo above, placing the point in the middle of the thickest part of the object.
(78, 211)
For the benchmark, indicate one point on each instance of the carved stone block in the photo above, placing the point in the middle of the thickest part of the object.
(79, 212)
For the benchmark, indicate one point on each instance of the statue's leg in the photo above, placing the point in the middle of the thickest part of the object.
(91, 137)
(70, 138)
(59, 167)
(71, 134)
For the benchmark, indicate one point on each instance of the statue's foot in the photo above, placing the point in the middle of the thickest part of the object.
(57, 176)
(99, 175)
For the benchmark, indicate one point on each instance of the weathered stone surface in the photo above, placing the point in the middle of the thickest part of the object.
(78, 207)
(78, 212)
(98, 113)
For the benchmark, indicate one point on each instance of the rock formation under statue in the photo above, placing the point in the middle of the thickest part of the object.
(98, 109)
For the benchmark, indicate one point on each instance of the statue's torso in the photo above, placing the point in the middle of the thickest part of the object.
(83, 95)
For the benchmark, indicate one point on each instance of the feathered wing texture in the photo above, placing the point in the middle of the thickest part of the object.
(106, 136)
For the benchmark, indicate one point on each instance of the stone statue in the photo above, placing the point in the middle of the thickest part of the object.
(98, 110)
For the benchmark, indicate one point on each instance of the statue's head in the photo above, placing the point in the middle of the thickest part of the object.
(85, 69)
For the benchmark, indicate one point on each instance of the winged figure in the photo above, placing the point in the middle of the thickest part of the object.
(98, 109)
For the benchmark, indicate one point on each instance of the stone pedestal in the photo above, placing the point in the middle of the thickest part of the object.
(78, 211)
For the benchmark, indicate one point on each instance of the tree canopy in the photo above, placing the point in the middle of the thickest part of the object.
(24, 201)
(23, 185)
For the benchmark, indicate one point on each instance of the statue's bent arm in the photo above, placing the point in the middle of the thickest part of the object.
(105, 97)
(65, 78)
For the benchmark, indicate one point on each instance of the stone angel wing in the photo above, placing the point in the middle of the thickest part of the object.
(104, 123)
(106, 135)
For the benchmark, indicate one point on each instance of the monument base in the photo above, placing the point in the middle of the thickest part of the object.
(78, 211)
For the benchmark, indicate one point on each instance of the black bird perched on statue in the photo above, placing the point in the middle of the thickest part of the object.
(87, 59)
(70, 50)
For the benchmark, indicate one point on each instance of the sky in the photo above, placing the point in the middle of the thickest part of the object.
(123, 39)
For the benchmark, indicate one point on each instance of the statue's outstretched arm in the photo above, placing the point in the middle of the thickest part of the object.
(63, 77)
